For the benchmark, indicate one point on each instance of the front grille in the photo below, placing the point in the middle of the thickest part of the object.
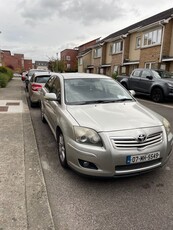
(132, 142)
(138, 165)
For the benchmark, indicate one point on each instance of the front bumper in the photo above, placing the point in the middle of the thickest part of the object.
(108, 161)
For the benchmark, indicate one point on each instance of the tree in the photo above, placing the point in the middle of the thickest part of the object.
(56, 65)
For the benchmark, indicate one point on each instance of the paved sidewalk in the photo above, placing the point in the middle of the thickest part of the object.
(23, 197)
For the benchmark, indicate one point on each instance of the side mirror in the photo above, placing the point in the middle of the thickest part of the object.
(132, 92)
(50, 97)
(149, 77)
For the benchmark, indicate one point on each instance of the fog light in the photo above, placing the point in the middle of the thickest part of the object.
(87, 164)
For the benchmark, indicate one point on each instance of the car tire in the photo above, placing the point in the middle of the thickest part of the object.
(61, 150)
(157, 95)
(42, 113)
(32, 103)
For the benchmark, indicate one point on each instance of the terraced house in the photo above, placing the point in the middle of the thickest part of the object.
(148, 43)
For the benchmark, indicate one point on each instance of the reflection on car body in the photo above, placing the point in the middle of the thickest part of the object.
(101, 130)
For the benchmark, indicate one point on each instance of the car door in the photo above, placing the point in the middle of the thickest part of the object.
(54, 107)
(146, 81)
(134, 80)
(46, 104)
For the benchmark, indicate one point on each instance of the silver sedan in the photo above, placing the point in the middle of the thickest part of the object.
(35, 84)
(100, 128)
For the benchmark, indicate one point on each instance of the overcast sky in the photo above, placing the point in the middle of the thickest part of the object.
(42, 28)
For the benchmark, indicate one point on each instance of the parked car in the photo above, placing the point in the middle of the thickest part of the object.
(157, 84)
(29, 75)
(16, 75)
(164, 73)
(100, 128)
(35, 84)
(23, 76)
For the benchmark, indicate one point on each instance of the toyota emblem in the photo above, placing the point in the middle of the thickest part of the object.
(141, 138)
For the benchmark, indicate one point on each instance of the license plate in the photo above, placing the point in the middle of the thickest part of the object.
(142, 158)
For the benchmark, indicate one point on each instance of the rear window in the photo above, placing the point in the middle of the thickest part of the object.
(42, 79)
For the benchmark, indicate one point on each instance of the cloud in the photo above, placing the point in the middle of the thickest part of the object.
(86, 12)
(41, 28)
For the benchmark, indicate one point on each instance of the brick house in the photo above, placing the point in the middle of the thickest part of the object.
(16, 62)
(69, 56)
(85, 56)
(72, 57)
(148, 43)
(27, 64)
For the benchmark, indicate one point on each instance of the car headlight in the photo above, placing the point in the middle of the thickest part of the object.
(170, 85)
(87, 136)
(167, 125)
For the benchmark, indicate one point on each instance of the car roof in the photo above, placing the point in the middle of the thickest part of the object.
(80, 75)
(42, 73)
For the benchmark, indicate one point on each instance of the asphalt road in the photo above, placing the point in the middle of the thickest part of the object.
(80, 203)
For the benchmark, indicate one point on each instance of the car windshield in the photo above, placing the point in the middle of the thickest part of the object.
(91, 91)
(164, 73)
(42, 79)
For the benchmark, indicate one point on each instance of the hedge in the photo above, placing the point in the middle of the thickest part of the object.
(6, 75)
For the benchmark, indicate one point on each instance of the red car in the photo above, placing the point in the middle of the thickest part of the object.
(23, 77)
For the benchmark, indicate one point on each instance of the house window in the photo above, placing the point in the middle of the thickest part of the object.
(123, 69)
(151, 65)
(138, 42)
(68, 58)
(68, 66)
(115, 68)
(97, 52)
(80, 61)
(117, 47)
(152, 37)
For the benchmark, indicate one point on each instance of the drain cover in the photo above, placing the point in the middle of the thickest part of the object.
(3, 108)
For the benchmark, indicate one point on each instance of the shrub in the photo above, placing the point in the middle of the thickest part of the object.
(3, 69)
(9, 73)
(6, 74)
(4, 78)
(114, 75)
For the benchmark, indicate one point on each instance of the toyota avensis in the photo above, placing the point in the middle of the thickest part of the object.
(100, 128)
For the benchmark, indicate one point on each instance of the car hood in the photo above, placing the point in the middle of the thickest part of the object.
(168, 80)
(114, 116)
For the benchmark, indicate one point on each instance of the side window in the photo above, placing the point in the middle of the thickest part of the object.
(49, 83)
(145, 73)
(32, 78)
(136, 73)
(56, 88)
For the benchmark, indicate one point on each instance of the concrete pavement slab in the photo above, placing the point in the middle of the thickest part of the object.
(24, 202)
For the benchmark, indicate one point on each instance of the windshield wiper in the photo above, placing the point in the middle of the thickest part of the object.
(99, 101)
(124, 99)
